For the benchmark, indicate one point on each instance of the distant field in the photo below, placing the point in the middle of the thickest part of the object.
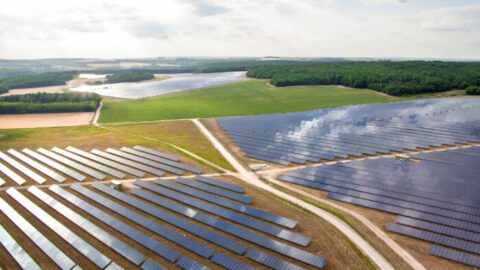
(249, 97)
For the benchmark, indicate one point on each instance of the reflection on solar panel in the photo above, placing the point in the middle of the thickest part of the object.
(219, 183)
(162, 160)
(129, 162)
(178, 222)
(239, 232)
(167, 233)
(113, 266)
(247, 221)
(37, 178)
(353, 130)
(15, 177)
(62, 260)
(155, 152)
(229, 263)
(229, 204)
(55, 176)
(17, 252)
(139, 237)
(146, 161)
(54, 164)
(103, 236)
(214, 190)
(72, 164)
(187, 264)
(89, 163)
(270, 261)
(110, 163)
(455, 255)
(78, 243)
(151, 265)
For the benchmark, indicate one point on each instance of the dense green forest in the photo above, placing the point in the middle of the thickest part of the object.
(49, 103)
(133, 76)
(394, 78)
(44, 79)
(472, 90)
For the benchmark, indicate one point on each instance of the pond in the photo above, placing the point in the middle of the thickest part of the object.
(174, 83)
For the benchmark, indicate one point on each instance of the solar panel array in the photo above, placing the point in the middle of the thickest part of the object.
(60, 164)
(88, 207)
(354, 131)
(436, 198)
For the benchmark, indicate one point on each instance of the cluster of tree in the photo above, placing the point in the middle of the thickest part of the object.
(37, 80)
(394, 78)
(49, 103)
(472, 90)
(133, 76)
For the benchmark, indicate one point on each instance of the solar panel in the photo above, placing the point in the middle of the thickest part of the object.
(37, 178)
(137, 236)
(455, 255)
(162, 160)
(178, 222)
(78, 243)
(113, 266)
(189, 264)
(146, 161)
(229, 262)
(54, 164)
(62, 260)
(270, 261)
(15, 177)
(110, 163)
(17, 252)
(166, 233)
(55, 176)
(151, 265)
(435, 238)
(129, 162)
(89, 163)
(218, 183)
(155, 152)
(232, 216)
(103, 236)
(72, 164)
(2, 182)
(234, 230)
(215, 190)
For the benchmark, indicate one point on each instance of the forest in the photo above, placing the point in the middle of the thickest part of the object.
(38, 80)
(49, 103)
(133, 76)
(396, 78)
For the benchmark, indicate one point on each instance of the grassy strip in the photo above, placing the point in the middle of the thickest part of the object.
(243, 98)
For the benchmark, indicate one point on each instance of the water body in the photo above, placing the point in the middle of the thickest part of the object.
(91, 76)
(176, 83)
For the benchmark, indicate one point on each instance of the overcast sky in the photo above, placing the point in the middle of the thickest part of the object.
(305, 28)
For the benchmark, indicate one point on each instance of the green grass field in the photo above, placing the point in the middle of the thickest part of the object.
(248, 97)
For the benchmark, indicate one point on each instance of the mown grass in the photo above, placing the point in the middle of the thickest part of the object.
(248, 97)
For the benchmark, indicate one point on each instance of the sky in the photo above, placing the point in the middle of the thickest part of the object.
(221, 28)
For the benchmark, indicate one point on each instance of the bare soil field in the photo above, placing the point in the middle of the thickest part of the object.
(42, 120)
(46, 89)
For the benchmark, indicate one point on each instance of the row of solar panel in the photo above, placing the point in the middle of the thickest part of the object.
(90, 164)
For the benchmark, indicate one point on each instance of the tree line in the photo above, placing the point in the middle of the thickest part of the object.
(133, 76)
(392, 77)
(49, 103)
(37, 80)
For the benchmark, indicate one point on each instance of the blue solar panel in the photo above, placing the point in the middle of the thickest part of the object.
(214, 190)
(272, 262)
(151, 265)
(139, 237)
(219, 183)
(229, 263)
(247, 235)
(178, 222)
(189, 264)
(17, 252)
(229, 204)
(455, 255)
(165, 232)
(247, 221)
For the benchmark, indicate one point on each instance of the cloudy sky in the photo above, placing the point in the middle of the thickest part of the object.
(304, 28)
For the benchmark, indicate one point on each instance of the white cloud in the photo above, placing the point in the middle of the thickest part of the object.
(465, 18)
(382, 2)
